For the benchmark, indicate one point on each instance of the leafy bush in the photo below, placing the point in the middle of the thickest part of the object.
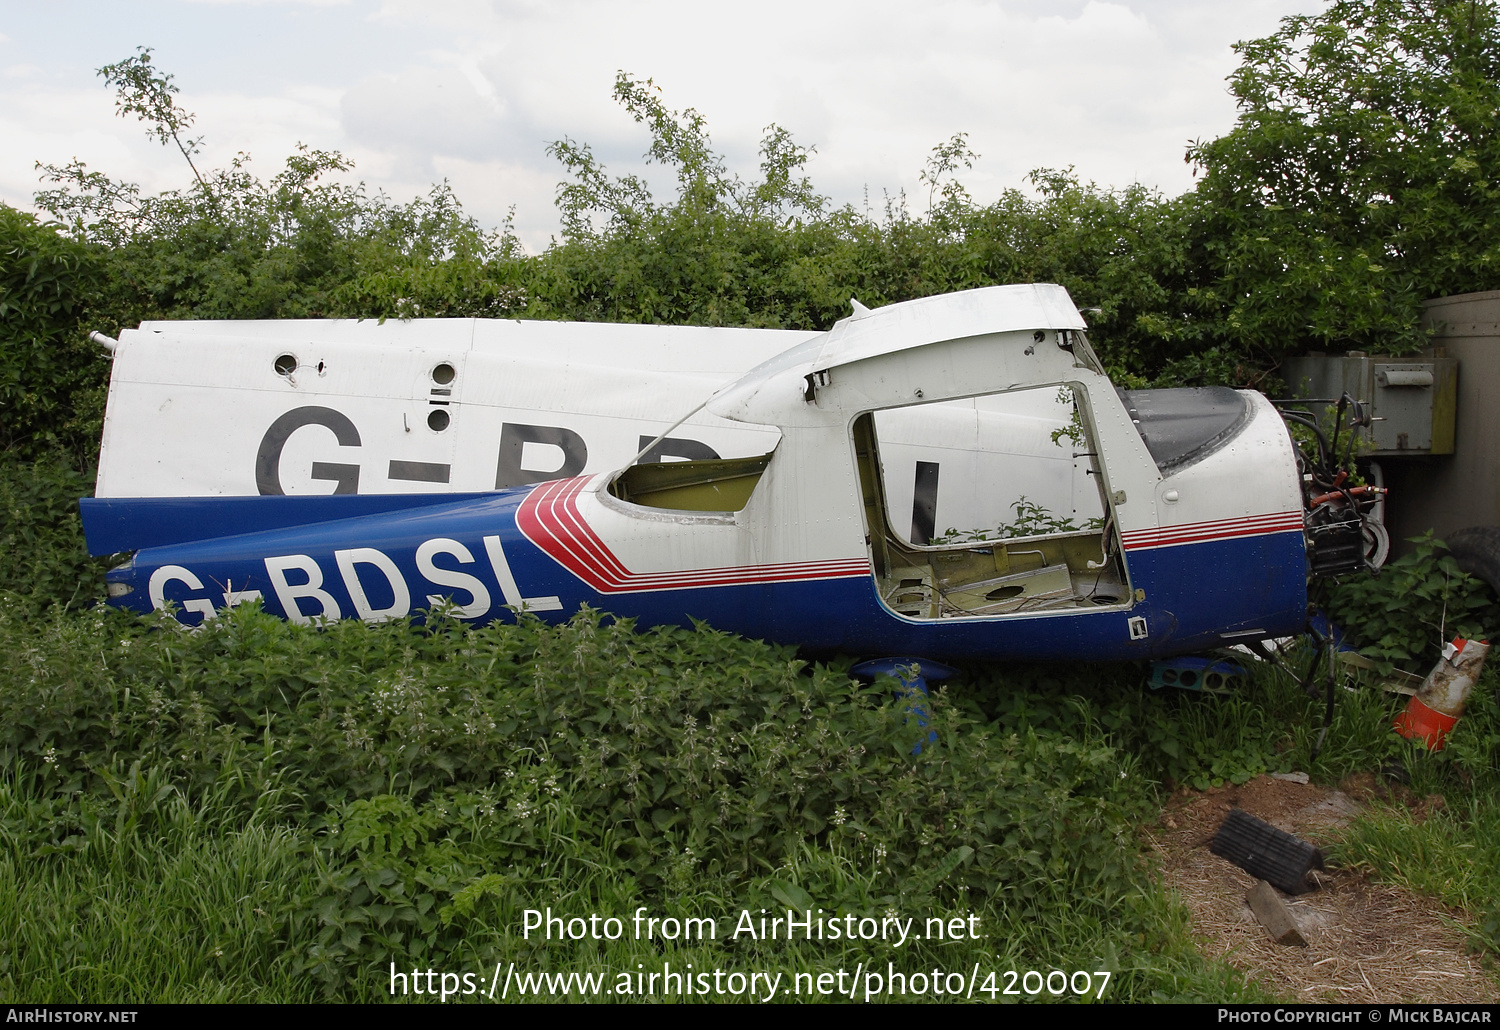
(450, 771)
(50, 374)
(42, 553)
(1403, 616)
(1355, 182)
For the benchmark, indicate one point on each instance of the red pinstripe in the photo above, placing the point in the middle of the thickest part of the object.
(1223, 529)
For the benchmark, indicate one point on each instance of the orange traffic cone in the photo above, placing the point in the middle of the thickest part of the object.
(1439, 703)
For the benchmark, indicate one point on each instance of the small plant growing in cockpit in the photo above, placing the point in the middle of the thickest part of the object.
(1031, 519)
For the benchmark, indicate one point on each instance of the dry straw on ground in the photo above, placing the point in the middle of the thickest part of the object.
(1367, 942)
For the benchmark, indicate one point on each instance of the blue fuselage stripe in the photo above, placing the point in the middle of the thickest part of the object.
(1194, 594)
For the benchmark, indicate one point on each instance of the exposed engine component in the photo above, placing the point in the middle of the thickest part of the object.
(1344, 529)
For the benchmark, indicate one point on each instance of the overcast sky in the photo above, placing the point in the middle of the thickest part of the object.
(472, 91)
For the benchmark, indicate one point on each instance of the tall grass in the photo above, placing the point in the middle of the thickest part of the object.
(158, 901)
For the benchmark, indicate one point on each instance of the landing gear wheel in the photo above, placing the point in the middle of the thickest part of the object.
(1477, 551)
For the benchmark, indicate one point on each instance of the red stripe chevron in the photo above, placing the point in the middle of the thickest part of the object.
(1223, 529)
(549, 518)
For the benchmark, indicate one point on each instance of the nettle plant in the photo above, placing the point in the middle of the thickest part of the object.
(455, 773)
(1402, 616)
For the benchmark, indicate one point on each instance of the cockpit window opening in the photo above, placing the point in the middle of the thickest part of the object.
(1019, 524)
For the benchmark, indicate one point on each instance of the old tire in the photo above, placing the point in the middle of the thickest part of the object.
(1477, 551)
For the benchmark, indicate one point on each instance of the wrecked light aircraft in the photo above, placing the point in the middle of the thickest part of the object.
(1187, 531)
(464, 405)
